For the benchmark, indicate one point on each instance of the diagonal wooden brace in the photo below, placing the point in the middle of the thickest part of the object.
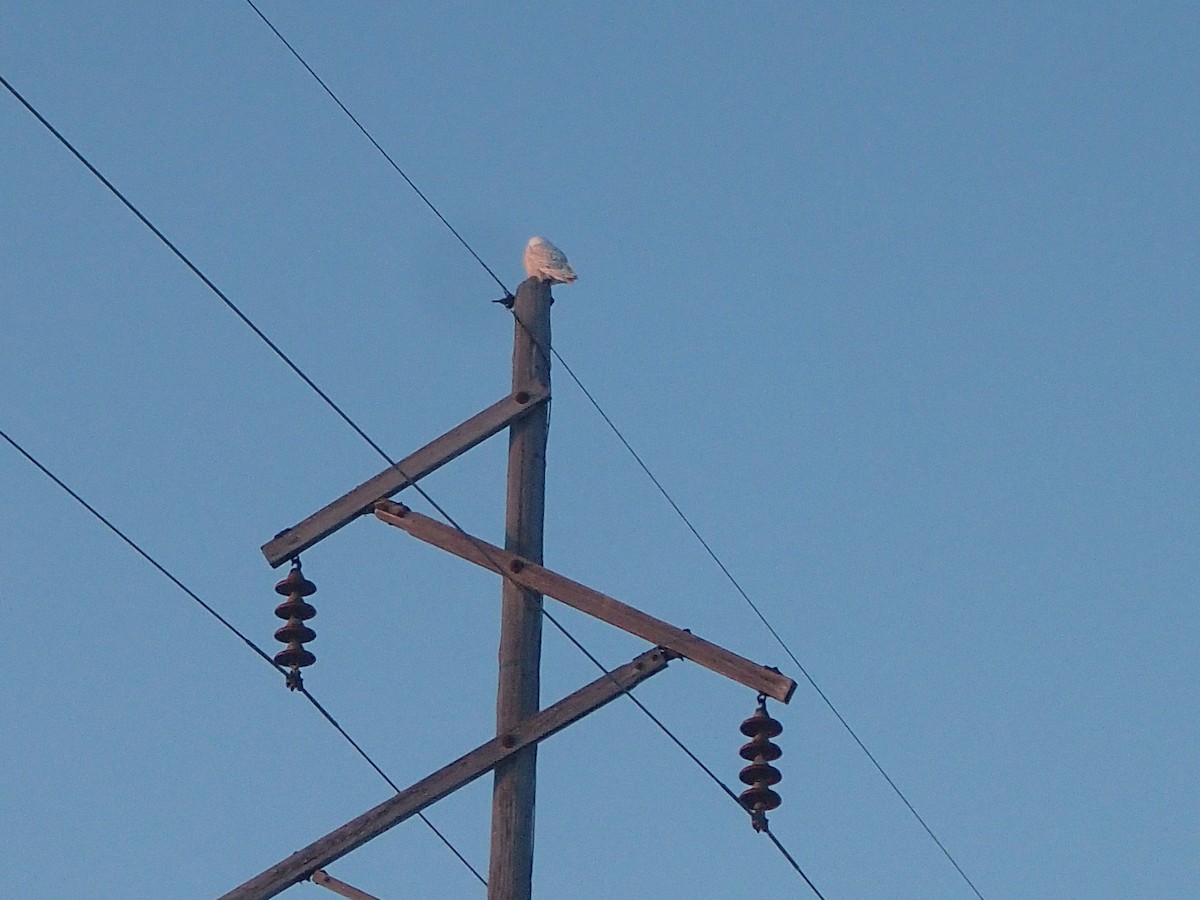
(541, 725)
(412, 468)
(538, 578)
(327, 881)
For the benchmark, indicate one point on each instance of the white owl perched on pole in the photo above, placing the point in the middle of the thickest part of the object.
(546, 262)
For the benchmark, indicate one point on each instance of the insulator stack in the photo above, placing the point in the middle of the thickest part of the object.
(760, 774)
(295, 633)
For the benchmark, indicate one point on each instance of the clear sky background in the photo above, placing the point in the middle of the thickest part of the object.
(898, 300)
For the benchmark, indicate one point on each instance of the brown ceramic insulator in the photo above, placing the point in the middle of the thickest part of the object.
(761, 723)
(760, 774)
(294, 656)
(760, 748)
(295, 583)
(295, 632)
(295, 608)
(758, 799)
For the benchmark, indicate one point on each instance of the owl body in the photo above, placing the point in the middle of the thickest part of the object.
(545, 261)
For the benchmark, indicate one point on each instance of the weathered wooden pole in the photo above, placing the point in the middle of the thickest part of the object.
(510, 873)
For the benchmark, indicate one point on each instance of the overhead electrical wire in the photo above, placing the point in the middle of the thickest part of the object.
(246, 320)
(137, 548)
(687, 750)
(637, 457)
(379, 147)
(337, 409)
(758, 612)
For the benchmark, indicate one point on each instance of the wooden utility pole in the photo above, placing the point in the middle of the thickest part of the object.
(518, 694)
(520, 723)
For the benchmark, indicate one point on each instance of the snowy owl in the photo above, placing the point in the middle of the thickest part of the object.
(546, 262)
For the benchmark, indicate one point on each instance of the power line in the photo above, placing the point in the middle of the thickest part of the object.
(645, 468)
(378, 147)
(192, 266)
(366, 437)
(231, 627)
(246, 320)
(137, 549)
(682, 746)
(349, 421)
(420, 815)
(771, 628)
(795, 865)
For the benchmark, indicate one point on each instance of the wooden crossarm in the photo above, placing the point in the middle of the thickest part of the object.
(580, 597)
(303, 863)
(327, 881)
(412, 468)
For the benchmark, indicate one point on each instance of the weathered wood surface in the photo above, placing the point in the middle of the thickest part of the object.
(510, 870)
(303, 863)
(455, 442)
(327, 881)
(538, 578)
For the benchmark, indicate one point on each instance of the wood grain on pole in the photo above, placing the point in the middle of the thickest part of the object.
(510, 871)
(412, 468)
(578, 596)
(333, 846)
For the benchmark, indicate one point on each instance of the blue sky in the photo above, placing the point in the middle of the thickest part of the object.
(897, 300)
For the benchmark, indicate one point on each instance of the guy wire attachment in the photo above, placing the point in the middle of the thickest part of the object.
(295, 633)
(760, 774)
